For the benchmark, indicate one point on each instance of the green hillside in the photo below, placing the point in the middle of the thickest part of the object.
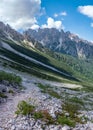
(21, 63)
(73, 70)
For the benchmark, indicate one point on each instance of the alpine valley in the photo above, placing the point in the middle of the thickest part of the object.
(46, 80)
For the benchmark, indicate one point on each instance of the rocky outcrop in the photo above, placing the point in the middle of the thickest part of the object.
(7, 89)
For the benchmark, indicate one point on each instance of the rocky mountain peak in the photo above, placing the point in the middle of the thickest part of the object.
(8, 32)
(64, 42)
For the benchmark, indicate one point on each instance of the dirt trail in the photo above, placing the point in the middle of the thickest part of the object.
(7, 110)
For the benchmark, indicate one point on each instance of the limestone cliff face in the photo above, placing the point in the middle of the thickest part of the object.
(60, 41)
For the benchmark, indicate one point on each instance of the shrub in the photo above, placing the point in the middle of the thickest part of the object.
(24, 108)
(12, 78)
(54, 94)
(45, 116)
(49, 90)
(38, 115)
(65, 121)
(76, 100)
(2, 95)
(11, 91)
(71, 108)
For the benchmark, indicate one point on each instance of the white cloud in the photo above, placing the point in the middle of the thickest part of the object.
(91, 24)
(35, 27)
(64, 13)
(86, 10)
(55, 15)
(53, 24)
(20, 14)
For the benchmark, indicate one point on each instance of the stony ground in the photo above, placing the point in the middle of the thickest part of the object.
(8, 120)
(32, 92)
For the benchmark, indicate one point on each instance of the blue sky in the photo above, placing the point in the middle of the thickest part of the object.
(71, 15)
(74, 21)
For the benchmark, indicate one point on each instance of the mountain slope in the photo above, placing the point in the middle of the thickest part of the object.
(28, 55)
(29, 60)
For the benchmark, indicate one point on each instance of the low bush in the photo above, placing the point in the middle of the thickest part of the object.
(12, 78)
(47, 117)
(71, 108)
(38, 115)
(11, 91)
(76, 100)
(24, 108)
(49, 90)
(66, 121)
(2, 95)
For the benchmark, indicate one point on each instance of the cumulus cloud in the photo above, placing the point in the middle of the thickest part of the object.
(20, 14)
(86, 10)
(51, 23)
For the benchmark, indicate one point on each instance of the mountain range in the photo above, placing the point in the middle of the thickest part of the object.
(53, 39)
(63, 42)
